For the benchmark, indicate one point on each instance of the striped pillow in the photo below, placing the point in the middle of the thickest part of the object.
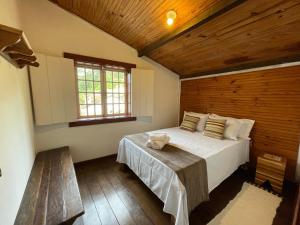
(189, 123)
(215, 128)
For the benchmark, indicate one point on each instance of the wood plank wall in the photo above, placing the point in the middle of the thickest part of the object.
(270, 97)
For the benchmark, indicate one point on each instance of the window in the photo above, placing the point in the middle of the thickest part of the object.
(103, 90)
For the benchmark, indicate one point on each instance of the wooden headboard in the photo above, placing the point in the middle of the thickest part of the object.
(270, 97)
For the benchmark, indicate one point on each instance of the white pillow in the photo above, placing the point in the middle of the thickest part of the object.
(232, 126)
(245, 128)
(203, 117)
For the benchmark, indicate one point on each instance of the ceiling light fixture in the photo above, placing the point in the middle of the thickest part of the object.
(171, 16)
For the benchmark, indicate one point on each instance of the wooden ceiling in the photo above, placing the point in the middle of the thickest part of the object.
(208, 36)
(136, 22)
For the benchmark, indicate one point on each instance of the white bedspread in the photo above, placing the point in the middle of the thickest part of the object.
(222, 157)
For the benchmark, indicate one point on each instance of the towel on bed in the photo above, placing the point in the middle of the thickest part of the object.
(157, 141)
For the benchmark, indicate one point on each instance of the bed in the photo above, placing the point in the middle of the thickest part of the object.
(222, 158)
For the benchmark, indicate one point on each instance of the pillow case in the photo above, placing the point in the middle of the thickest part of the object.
(232, 127)
(203, 117)
(246, 128)
(243, 130)
(189, 123)
(214, 128)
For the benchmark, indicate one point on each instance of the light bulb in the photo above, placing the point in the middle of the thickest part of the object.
(170, 21)
(171, 16)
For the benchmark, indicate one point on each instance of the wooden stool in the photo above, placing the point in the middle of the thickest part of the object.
(270, 168)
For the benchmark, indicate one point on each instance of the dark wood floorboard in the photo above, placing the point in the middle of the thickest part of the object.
(90, 215)
(102, 204)
(114, 195)
(128, 200)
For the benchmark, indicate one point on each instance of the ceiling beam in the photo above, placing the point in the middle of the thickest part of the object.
(282, 60)
(222, 7)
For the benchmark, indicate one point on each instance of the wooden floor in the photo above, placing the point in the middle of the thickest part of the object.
(114, 196)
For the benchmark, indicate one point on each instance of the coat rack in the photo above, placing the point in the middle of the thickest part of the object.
(15, 48)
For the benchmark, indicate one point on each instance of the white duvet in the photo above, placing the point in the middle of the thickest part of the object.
(222, 157)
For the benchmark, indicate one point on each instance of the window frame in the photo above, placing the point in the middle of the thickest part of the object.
(104, 65)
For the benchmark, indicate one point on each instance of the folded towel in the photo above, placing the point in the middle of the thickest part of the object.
(157, 142)
(158, 137)
(157, 145)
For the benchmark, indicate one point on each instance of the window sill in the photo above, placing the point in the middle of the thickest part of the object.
(95, 121)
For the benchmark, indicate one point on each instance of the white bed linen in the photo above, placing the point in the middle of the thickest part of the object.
(222, 157)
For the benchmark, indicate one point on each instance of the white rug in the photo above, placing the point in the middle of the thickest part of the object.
(252, 205)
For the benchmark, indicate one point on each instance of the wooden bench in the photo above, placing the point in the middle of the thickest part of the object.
(52, 195)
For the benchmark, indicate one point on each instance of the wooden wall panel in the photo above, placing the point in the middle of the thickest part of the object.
(270, 97)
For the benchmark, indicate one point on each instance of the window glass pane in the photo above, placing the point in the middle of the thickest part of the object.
(121, 77)
(109, 109)
(122, 108)
(122, 88)
(116, 98)
(90, 98)
(81, 86)
(122, 98)
(109, 87)
(109, 98)
(98, 99)
(96, 75)
(116, 77)
(108, 76)
(82, 98)
(89, 86)
(97, 87)
(89, 74)
(116, 109)
(80, 73)
(116, 87)
(91, 110)
(83, 110)
(98, 110)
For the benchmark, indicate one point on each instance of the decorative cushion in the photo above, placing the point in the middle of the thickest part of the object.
(236, 128)
(214, 128)
(232, 126)
(189, 123)
(202, 121)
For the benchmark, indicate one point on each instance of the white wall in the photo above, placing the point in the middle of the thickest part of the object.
(53, 30)
(16, 127)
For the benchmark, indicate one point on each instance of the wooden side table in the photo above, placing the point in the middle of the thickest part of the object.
(270, 168)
